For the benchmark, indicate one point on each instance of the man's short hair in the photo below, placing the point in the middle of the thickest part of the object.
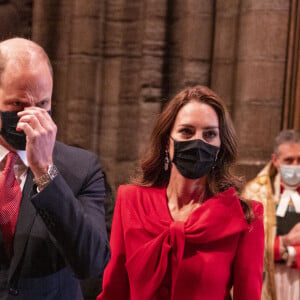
(286, 136)
(24, 55)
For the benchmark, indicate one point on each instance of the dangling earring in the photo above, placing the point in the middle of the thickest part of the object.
(215, 162)
(166, 161)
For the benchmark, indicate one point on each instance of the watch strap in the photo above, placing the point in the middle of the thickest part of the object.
(46, 178)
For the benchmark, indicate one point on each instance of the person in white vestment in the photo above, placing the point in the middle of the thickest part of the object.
(277, 186)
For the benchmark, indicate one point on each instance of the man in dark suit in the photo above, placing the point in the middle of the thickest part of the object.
(59, 235)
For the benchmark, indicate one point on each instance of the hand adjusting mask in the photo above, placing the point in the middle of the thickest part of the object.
(9, 122)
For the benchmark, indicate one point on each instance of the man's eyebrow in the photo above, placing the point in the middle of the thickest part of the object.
(43, 100)
(14, 100)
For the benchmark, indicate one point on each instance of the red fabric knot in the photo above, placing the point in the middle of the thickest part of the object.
(177, 242)
(10, 199)
(177, 238)
(164, 241)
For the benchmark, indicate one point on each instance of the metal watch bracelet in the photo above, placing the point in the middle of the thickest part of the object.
(46, 178)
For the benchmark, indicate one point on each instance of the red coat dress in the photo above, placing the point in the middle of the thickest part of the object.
(157, 258)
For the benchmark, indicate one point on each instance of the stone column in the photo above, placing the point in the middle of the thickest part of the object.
(291, 110)
(84, 76)
(189, 40)
(259, 81)
(16, 18)
(51, 29)
(152, 67)
(119, 118)
(223, 75)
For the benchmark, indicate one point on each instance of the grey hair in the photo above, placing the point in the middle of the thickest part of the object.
(284, 137)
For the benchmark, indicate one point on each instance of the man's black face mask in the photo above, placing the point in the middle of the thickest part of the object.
(9, 121)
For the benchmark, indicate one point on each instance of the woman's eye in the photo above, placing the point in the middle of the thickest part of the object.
(186, 131)
(210, 134)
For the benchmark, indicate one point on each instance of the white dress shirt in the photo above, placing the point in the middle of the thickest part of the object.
(20, 168)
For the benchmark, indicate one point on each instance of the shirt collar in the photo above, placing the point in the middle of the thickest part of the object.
(22, 154)
(284, 187)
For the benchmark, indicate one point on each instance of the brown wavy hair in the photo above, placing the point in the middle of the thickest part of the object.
(220, 178)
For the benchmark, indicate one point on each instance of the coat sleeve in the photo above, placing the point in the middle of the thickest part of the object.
(293, 261)
(115, 278)
(72, 208)
(248, 262)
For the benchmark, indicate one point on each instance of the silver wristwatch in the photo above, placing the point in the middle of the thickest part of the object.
(42, 181)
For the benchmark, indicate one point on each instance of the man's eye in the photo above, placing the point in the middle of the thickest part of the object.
(288, 161)
(43, 103)
(18, 103)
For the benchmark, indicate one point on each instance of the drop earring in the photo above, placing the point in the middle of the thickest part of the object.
(166, 161)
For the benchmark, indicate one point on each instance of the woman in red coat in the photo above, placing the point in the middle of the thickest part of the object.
(181, 231)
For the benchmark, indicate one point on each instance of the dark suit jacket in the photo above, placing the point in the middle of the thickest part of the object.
(60, 233)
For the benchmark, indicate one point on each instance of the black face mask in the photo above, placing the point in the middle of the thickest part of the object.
(9, 121)
(194, 158)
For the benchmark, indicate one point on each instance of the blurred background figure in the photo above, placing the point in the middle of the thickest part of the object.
(277, 186)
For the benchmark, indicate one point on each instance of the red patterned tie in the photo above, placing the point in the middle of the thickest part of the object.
(10, 199)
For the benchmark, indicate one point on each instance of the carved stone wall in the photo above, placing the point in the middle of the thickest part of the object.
(249, 72)
(117, 62)
(15, 18)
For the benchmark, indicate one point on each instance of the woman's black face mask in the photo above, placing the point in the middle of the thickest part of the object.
(9, 121)
(194, 158)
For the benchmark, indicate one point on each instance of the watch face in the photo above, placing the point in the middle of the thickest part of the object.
(45, 179)
(52, 171)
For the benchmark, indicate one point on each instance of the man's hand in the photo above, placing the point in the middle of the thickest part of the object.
(293, 237)
(40, 133)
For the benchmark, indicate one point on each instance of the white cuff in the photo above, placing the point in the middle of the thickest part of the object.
(292, 256)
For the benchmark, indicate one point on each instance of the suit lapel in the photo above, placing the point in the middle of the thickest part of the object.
(27, 214)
